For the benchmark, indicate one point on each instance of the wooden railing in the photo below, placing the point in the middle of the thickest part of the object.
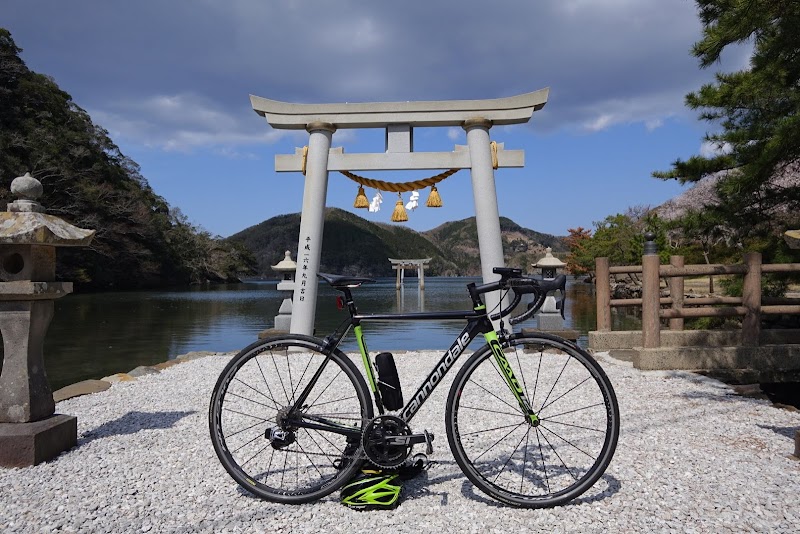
(751, 305)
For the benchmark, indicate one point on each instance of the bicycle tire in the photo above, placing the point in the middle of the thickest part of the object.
(513, 461)
(266, 377)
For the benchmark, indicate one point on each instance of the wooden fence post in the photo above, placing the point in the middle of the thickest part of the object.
(676, 293)
(751, 300)
(603, 290)
(651, 324)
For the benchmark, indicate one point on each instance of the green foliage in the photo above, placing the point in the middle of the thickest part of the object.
(756, 115)
(620, 238)
(140, 242)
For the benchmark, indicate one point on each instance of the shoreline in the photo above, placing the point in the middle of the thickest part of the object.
(88, 387)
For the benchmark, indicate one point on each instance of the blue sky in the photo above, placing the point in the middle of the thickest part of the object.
(170, 82)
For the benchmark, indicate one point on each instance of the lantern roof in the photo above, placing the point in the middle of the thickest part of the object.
(549, 260)
(25, 222)
(286, 264)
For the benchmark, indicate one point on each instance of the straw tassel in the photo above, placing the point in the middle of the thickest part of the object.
(434, 200)
(361, 198)
(399, 214)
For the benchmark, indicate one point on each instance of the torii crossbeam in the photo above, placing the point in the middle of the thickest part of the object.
(399, 119)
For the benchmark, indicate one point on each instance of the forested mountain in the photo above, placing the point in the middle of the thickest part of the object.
(141, 241)
(521, 246)
(355, 246)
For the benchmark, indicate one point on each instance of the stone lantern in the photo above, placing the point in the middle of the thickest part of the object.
(549, 316)
(286, 268)
(30, 431)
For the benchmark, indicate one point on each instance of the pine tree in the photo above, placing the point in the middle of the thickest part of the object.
(756, 112)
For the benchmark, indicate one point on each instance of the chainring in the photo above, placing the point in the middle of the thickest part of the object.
(374, 441)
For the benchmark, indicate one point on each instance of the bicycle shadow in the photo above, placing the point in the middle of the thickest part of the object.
(133, 422)
(420, 487)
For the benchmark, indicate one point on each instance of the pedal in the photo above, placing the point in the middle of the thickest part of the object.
(428, 442)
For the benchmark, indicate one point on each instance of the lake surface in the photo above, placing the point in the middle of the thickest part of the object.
(96, 335)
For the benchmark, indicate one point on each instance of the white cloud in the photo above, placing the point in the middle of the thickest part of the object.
(653, 124)
(709, 149)
(177, 74)
(182, 123)
(455, 134)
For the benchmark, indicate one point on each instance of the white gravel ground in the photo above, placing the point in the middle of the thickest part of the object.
(692, 457)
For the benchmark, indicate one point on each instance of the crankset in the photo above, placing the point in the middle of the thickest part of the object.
(387, 441)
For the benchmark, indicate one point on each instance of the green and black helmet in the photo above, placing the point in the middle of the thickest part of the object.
(372, 490)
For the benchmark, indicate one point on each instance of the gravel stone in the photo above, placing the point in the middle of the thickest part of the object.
(693, 456)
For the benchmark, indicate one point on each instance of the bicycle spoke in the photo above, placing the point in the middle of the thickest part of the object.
(565, 440)
(291, 387)
(302, 376)
(257, 391)
(516, 409)
(555, 382)
(280, 376)
(498, 441)
(551, 417)
(489, 411)
(331, 402)
(259, 435)
(256, 454)
(254, 402)
(573, 388)
(326, 388)
(248, 415)
(493, 429)
(511, 456)
(263, 376)
(556, 453)
(544, 463)
(244, 429)
(574, 426)
(524, 460)
(538, 369)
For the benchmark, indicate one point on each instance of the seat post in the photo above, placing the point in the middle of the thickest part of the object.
(348, 298)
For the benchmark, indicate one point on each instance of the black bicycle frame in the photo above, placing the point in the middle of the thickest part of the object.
(477, 323)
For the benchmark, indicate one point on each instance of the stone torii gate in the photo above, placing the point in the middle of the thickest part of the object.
(401, 265)
(399, 119)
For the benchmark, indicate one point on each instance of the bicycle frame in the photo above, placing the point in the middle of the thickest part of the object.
(477, 323)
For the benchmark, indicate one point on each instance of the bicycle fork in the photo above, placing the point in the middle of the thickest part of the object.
(513, 384)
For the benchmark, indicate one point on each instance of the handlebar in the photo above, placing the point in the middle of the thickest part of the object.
(512, 279)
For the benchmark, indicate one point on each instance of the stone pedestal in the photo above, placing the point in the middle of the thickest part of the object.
(286, 268)
(26, 444)
(283, 321)
(30, 433)
(26, 394)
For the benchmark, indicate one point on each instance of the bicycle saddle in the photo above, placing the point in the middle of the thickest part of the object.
(338, 281)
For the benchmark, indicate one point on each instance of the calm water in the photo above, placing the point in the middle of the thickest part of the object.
(96, 335)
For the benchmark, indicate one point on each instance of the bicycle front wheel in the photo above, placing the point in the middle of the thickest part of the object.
(277, 452)
(515, 460)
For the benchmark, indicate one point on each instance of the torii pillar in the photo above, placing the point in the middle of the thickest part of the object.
(399, 119)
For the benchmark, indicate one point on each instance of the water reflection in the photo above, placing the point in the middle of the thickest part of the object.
(96, 335)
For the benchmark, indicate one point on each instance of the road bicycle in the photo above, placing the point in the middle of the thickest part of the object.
(531, 419)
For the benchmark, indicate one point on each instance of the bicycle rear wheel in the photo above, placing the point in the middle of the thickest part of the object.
(267, 449)
(523, 464)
